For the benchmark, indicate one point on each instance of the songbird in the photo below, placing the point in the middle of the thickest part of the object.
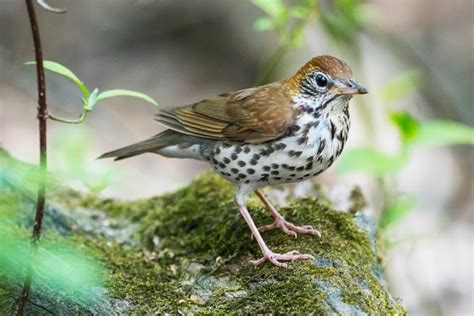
(282, 132)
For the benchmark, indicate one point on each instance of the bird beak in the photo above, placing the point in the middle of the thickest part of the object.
(350, 88)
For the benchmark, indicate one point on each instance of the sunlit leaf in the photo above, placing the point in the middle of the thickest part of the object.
(370, 160)
(443, 132)
(401, 86)
(264, 24)
(397, 210)
(125, 93)
(92, 100)
(59, 270)
(273, 8)
(60, 69)
(406, 124)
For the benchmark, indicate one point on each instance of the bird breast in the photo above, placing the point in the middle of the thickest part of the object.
(311, 146)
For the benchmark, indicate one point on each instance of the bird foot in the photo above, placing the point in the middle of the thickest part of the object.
(290, 228)
(276, 258)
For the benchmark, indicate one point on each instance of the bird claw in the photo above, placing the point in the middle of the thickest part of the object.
(275, 257)
(290, 228)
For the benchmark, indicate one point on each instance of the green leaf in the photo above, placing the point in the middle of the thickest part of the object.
(402, 86)
(60, 69)
(273, 8)
(370, 160)
(397, 210)
(406, 124)
(124, 93)
(442, 133)
(264, 24)
(92, 100)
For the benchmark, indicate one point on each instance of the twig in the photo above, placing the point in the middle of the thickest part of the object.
(47, 7)
(42, 118)
(81, 118)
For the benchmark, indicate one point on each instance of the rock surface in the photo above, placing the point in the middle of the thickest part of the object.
(187, 253)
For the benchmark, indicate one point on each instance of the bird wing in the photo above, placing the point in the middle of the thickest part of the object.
(253, 115)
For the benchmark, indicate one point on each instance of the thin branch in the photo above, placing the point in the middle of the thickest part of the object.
(81, 118)
(47, 7)
(42, 118)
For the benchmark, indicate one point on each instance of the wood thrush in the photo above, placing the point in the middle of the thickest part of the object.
(285, 131)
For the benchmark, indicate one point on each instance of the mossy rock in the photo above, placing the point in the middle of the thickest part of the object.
(187, 253)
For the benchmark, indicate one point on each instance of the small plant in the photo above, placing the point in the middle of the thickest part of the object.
(89, 101)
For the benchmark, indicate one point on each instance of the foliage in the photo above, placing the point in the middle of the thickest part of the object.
(71, 160)
(414, 134)
(90, 99)
(60, 268)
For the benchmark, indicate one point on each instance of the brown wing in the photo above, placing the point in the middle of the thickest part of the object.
(252, 115)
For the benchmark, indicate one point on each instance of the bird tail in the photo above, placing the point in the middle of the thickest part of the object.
(153, 144)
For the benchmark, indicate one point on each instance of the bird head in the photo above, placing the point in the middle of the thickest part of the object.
(324, 81)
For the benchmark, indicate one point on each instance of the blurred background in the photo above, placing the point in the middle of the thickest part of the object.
(407, 148)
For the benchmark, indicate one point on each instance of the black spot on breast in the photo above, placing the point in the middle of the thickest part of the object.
(293, 175)
(340, 136)
(266, 168)
(250, 171)
(302, 140)
(233, 156)
(277, 178)
(241, 163)
(275, 166)
(238, 149)
(221, 165)
(246, 149)
(226, 145)
(322, 144)
(247, 181)
(256, 156)
(242, 176)
(316, 114)
(217, 151)
(310, 158)
(280, 146)
(333, 129)
(307, 175)
(253, 162)
(309, 166)
(293, 153)
(275, 172)
(233, 170)
(300, 168)
(214, 161)
(226, 160)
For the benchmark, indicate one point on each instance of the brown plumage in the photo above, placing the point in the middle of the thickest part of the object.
(253, 115)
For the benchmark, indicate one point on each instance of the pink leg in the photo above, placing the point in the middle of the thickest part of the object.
(267, 253)
(279, 221)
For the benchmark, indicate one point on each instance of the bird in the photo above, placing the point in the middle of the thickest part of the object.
(282, 132)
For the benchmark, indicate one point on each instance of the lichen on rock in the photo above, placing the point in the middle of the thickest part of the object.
(187, 252)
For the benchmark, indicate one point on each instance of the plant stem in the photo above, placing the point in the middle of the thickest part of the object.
(42, 118)
(81, 118)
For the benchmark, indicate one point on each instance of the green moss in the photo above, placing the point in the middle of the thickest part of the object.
(189, 253)
(199, 226)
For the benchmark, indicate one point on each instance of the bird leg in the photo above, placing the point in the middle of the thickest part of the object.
(280, 222)
(269, 255)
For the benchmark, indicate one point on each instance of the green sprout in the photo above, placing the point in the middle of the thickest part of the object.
(89, 99)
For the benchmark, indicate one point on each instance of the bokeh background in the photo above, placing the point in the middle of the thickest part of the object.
(414, 57)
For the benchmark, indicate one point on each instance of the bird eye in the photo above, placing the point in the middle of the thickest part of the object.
(321, 80)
